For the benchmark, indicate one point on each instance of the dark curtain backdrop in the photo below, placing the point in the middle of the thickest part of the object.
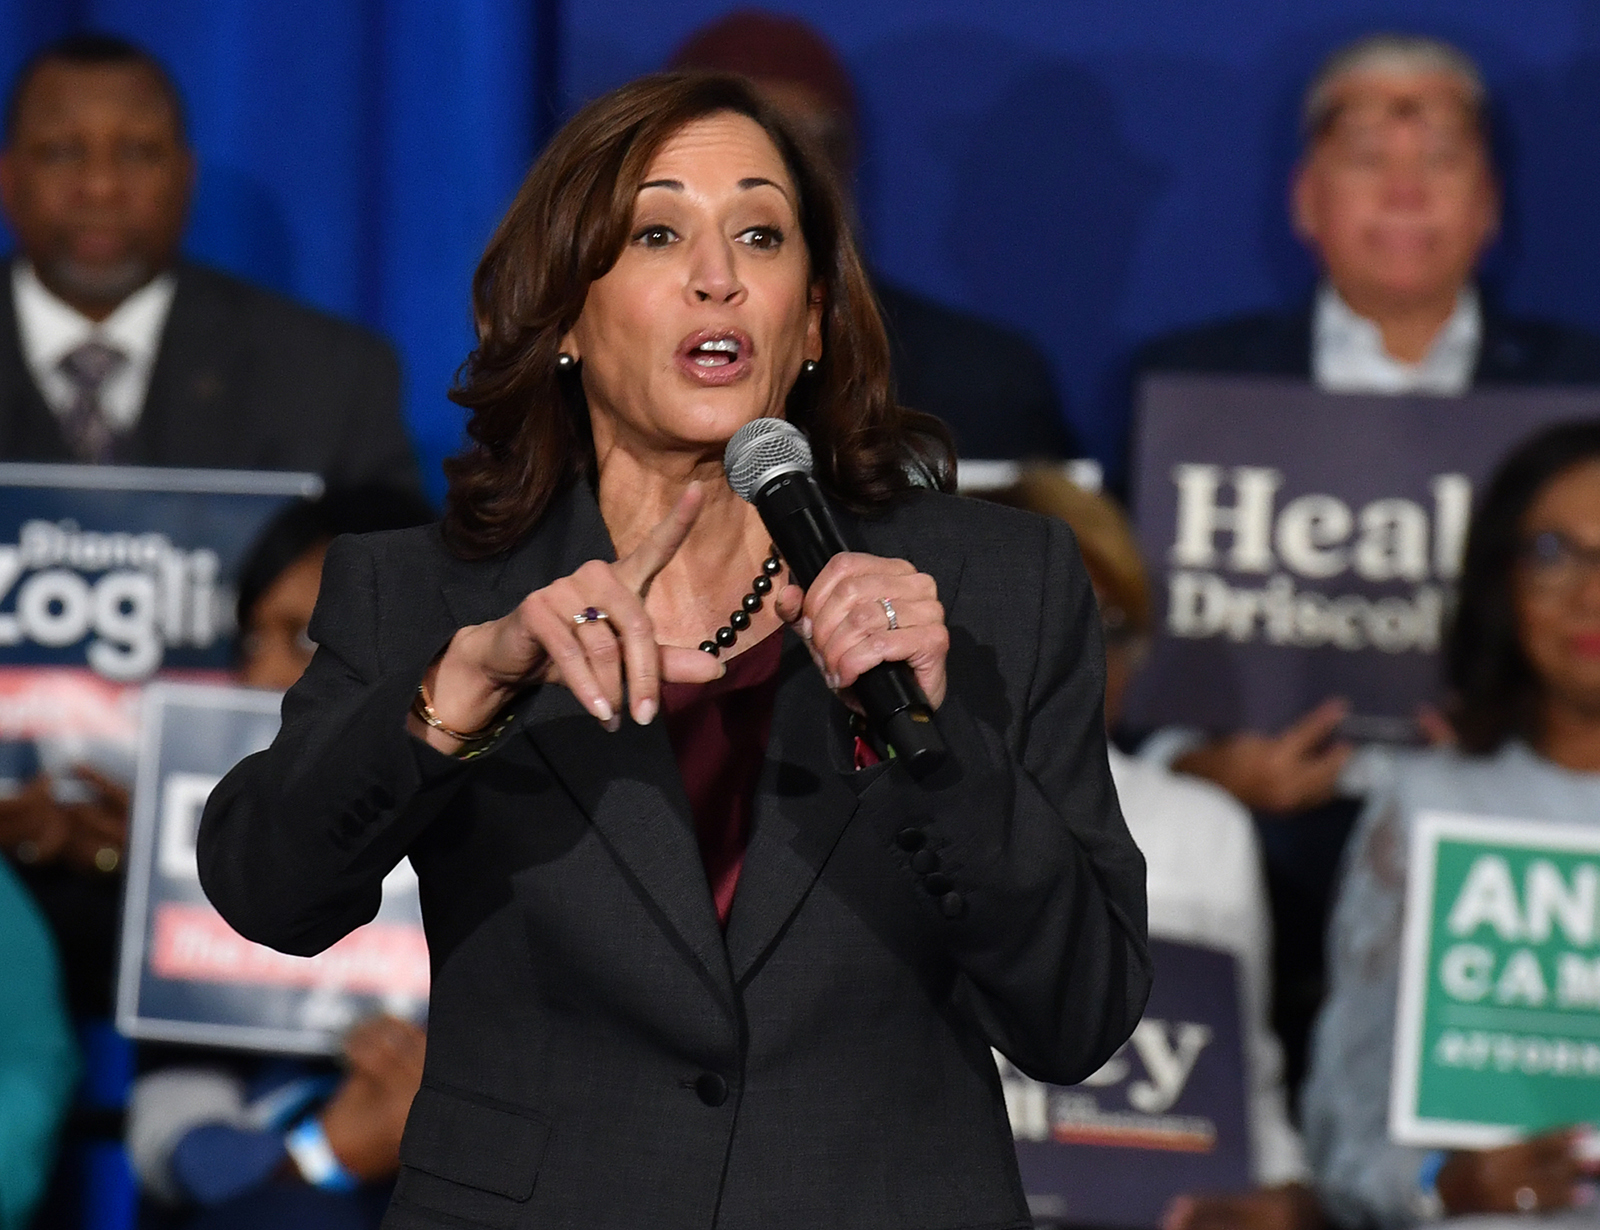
(353, 153)
(1091, 173)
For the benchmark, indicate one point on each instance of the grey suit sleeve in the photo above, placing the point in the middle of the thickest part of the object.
(296, 840)
(1045, 909)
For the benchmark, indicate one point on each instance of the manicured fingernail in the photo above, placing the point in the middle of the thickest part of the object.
(612, 724)
(645, 712)
(602, 710)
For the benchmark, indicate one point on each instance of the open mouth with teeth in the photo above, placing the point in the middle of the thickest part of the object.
(718, 352)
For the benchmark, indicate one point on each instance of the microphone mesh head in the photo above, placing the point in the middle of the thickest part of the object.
(762, 449)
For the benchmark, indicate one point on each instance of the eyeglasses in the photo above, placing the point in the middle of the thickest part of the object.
(1554, 564)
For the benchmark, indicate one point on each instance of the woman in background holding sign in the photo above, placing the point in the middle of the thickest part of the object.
(1523, 665)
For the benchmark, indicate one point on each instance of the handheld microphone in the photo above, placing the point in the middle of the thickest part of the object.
(768, 463)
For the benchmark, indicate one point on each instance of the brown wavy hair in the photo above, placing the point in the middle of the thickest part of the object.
(528, 430)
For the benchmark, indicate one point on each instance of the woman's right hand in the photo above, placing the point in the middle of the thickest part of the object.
(485, 665)
(1541, 1173)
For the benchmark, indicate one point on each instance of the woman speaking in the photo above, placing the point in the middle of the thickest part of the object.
(702, 954)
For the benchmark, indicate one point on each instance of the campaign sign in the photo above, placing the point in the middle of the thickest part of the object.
(1498, 1033)
(1167, 1114)
(185, 975)
(1304, 544)
(108, 575)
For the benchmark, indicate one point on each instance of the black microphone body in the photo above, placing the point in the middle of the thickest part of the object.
(803, 529)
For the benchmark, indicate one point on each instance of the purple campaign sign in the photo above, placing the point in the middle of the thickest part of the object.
(1167, 1115)
(1305, 544)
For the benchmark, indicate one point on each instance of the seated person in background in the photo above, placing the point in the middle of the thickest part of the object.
(115, 349)
(258, 1142)
(990, 385)
(38, 1058)
(1203, 867)
(1396, 195)
(1523, 666)
(241, 1144)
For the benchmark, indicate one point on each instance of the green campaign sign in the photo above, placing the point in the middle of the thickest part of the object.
(1498, 1032)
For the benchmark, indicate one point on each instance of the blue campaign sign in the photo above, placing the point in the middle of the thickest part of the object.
(1168, 1114)
(109, 575)
(184, 975)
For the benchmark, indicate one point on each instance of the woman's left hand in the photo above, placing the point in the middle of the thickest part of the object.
(845, 619)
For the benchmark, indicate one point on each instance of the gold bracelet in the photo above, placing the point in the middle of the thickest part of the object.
(422, 706)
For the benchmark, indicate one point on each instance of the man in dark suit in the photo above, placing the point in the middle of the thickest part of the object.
(112, 349)
(1397, 196)
(990, 385)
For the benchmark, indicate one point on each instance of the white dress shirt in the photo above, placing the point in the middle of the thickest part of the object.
(1347, 354)
(50, 330)
(1205, 887)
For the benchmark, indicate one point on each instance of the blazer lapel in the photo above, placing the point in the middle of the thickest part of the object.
(629, 786)
(627, 783)
(809, 788)
(803, 803)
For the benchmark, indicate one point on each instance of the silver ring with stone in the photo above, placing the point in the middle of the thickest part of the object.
(590, 615)
(888, 609)
(1526, 1199)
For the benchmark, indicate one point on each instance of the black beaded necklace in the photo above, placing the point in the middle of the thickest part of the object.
(751, 603)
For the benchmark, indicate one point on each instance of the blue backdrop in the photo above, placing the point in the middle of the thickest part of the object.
(1092, 173)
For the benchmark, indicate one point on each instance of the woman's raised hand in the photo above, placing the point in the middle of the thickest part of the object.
(485, 665)
(845, 618)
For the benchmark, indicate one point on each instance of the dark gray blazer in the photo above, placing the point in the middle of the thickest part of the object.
(244, 379)
(600, 1054)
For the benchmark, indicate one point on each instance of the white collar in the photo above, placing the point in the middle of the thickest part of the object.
(1347, 354)
(49, 329)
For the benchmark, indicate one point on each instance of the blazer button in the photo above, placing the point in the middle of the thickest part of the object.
(937, 884)
(952, 905)
(711, 1088)
(924, 861)
(911, 839)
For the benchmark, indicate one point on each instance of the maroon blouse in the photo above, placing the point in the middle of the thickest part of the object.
(719, 734)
